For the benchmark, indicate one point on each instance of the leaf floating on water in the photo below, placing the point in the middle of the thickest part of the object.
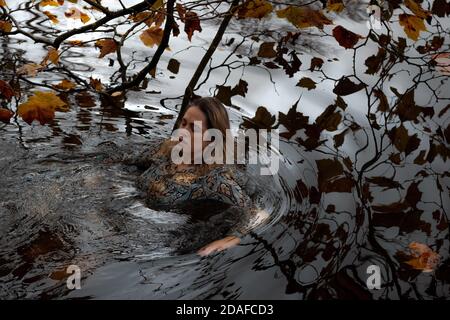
(5, 26)
(423, 258)
(306, 82)
(106, 46)
(152, 36)
(346, 87)
(96, 84)
(41, 107)
(266, 50)
(263, 119)
(30, 69)
(417, 9)
(5, 115)
(52, 56)
(412, 25)
(53, 3)
(303, 17)
(346, 38)
(335, 5)
(254, 9)
(2, 3)
(53, 18)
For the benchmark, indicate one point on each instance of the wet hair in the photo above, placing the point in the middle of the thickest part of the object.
(215, 112)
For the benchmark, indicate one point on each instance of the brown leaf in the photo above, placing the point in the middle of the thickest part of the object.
(335, 5)
(52, 56)
(346, 38)
(254, 9)
(306, 82)
(152, 36)
(266, 50)
(422, 257)
(74, 13)
(412, 25)
(316, 63)
(173, 66)
(5, 115)
(375, 62)
(53, 18)
(106, 46)
(346, 87)
(191, 24)
(41, 106)
(304, 17)
(65, 85)
(5, 26)
(263, 119)
(96, 84)
(6, 91)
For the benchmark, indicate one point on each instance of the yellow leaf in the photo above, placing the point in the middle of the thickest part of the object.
(5, 26)
(158, 4)
(152, 36)
(335, 5)
(78, 43)
(53, 18)
(30, 69)
(65, 85)
(52, 55)
(74, 13)
(52, 3)
(2, 3)
(106, 46)
(254, 9)
(41, 106)
(303, 17)
(412, 25)
(417, 9)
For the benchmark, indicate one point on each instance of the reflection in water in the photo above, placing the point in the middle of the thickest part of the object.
(63, 203)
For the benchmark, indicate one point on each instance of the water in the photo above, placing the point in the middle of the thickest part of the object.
(61, 204)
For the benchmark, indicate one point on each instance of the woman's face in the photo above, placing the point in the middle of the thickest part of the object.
(191, 120)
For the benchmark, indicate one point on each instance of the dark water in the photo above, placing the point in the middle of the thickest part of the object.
(62, 204)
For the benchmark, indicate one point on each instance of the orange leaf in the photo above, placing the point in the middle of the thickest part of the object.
(52, 55)
(335, 5)
(106, 46)
(52, 3)
(412, 25)
(5, 26)
(254, 9)
(152, 36)
(5, 90)
(53, 18)
(65, 85)
(5, 115)
(423, 258)
(96, 84)
(417, 9)
(303, 17)
(2, 3)
(41, 106)
(74, 13)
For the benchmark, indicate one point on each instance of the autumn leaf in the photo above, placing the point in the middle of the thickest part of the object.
(303, 17)
(306, 82)
(30, 69)
(346, 38)
(173, 66)
(331, 178)
(263, 119)
(335, 5)
(65, 85)
(5, 26)
(266, 50)
(53, 18)
(106, 46)
(6, 91)
(412, 25)
(74, 13)
(52, 3)
(41, 106)
(374, 62)
(346, 87)
(152, 36)
(2, 3)
(96, 84)
(5, 115)
(191, 24)
(316, 63)
(417, 9)
(52, 56)
(254, 9)
(422, 257)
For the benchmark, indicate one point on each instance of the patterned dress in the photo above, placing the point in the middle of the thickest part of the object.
(167, 187)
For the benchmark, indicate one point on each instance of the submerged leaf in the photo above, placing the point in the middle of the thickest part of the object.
(41, 106)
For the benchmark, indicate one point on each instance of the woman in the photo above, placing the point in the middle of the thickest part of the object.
(168, 184)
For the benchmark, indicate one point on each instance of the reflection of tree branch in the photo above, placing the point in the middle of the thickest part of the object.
(201, 67)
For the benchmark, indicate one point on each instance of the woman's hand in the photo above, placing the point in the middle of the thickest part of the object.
(219, 245)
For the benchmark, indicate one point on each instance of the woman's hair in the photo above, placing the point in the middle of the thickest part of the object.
(215, 112)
